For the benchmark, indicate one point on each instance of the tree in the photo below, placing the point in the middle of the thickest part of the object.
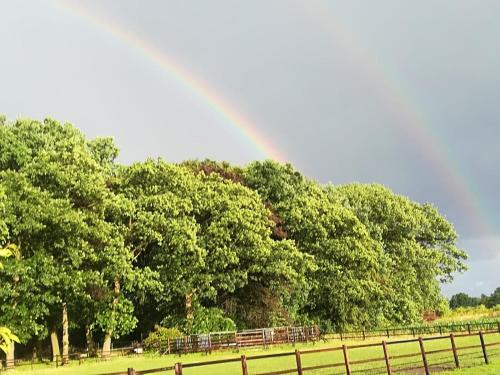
(57, 211)
(463, 300)
(204, 236)
(419, 247)
(494, 298)
(347, 283)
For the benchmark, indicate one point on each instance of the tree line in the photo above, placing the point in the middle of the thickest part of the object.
(106, 250)
(464, 300)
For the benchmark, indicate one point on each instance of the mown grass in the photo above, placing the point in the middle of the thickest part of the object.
(491, 369)
(437, 361)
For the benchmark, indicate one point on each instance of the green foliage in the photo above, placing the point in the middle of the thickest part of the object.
(58, 212)
(204, 236)
(204, 245)
(7, 338)
(494, 298)
(211, 319)
(347, 285)
(418, 244)
(158, 339)
(464, 300)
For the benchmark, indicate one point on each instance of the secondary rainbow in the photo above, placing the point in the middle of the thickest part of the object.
(411, 121)
(248, 130)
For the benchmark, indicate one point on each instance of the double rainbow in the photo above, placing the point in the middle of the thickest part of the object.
(410, 120)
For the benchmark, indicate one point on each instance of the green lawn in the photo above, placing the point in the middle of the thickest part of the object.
(439, 361)
(491, 369)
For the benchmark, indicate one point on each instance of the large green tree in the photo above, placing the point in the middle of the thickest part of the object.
(347, 283)
(203, 235)
(419, 247)
(57, 212)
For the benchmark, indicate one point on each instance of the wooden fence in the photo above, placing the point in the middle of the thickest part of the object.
(383, 364)
(264, 337)
(429, 329)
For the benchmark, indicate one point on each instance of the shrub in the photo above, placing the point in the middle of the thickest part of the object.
(159, 338)
(211, 320)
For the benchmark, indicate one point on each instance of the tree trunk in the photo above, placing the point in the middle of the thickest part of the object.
(54, 341)
(106, 346)
(90, 341)
(37, 351)
(10, 356)
(65, 336)
(189, 311)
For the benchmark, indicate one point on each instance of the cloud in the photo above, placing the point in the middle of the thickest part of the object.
(482, 277)
(482, 248)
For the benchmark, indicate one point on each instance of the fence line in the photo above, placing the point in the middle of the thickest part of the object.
(387, 360)
(414, 331)
(266, 337)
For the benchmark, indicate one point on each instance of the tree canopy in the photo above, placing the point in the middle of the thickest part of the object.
(113, 250)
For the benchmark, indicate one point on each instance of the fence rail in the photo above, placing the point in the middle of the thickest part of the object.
(267, 337)
(263, 337)
(386, 363)
(430, 329)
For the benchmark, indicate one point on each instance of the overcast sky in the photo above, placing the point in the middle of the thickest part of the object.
(404, 93)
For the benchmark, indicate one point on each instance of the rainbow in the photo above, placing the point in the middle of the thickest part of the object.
(248, 131)
(411, 121)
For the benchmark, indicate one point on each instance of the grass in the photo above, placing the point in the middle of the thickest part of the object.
(471, 314)
(438, 361)
(491, 369)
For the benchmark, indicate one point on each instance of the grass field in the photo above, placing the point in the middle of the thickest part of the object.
(491, 369)
(437, 361)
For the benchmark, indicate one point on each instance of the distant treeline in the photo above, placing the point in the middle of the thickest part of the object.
(106, 250)
(464, 300)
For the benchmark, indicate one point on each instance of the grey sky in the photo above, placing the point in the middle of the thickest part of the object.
(336, 86)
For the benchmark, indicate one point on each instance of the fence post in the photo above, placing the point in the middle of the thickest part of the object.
(298, 361)
(130, 371)
(346, 360)
(387, 333)
(454, 349)
(468, 327)
(440, 331)
(341, 336)
(485, 355)
(386, 356)
(413, 331)
(424, 357)
(498, 325)
(364, 336)
(244, 368)
(178, 368)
